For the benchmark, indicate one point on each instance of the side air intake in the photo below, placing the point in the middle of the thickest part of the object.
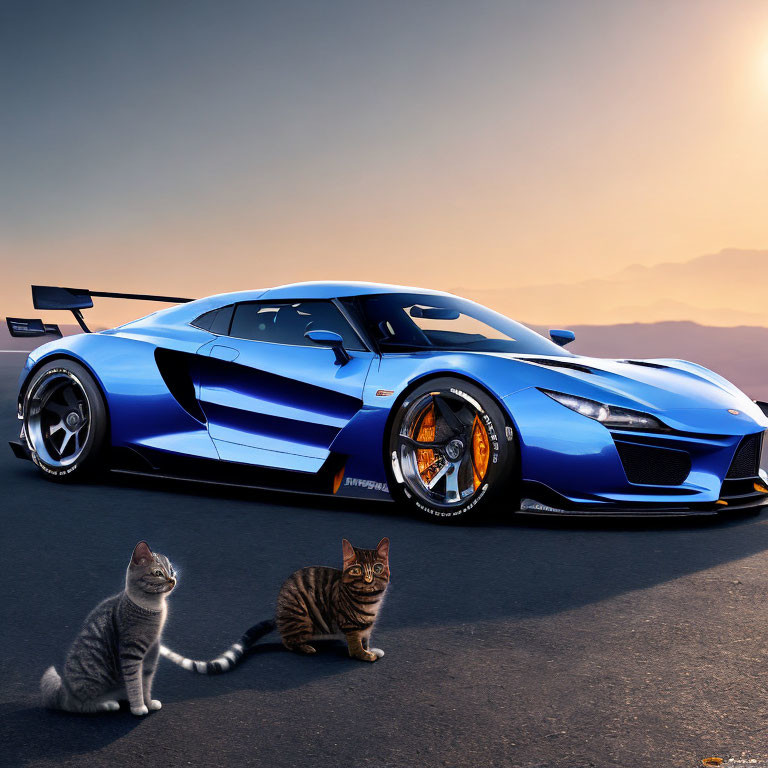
(746, 460)
(175, 368)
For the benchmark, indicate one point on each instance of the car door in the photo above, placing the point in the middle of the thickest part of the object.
(272, 397)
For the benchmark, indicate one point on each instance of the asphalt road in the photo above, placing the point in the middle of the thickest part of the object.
(513, 642)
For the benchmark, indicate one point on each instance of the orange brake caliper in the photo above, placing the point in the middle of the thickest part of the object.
(479, 452)
(425, 457)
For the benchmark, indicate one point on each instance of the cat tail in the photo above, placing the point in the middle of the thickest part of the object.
(228, 659)
(50, 688)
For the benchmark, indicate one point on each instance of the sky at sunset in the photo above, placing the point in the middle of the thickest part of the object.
(612, 150)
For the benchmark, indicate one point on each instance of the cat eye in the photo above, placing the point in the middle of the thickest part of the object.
(355, 571)
(378, 568)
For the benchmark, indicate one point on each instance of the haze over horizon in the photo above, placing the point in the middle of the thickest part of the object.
(612, 154)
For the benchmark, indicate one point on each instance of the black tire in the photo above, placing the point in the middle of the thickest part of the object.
(65, 421)
(477, 483)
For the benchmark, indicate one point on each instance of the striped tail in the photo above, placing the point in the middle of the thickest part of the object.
(228, 659)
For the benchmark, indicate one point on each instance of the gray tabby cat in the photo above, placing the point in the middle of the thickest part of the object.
(115, 654)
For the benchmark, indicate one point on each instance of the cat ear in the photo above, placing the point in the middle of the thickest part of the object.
(383, 549)
(349, 553)
(142, 554)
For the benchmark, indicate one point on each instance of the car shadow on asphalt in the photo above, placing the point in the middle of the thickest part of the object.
(506, 566)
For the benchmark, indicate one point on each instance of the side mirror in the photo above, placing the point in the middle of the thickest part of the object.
(561, 338)
(333, 340)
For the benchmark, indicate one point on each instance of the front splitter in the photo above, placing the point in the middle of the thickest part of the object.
(533, 507)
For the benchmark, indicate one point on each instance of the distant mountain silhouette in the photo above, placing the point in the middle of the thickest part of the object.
(725, 288)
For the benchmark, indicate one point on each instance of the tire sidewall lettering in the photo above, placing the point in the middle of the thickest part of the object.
(437, 512)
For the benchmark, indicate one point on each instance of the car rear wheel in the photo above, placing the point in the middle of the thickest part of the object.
(65, 421)
(451, 451)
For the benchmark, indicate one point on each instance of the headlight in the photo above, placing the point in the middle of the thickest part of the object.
(610, 415)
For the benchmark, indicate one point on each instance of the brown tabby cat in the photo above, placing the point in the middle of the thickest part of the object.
(318, 603)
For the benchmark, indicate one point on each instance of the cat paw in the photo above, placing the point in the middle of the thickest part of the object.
(379, 653)
(142, 710)
(368, 656)
(110, 706)
(154, 705)
(308, 649)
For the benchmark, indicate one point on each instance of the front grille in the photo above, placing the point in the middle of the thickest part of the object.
(650, 465)
(746, 461)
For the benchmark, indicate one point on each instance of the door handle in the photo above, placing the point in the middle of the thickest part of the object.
(224, 353)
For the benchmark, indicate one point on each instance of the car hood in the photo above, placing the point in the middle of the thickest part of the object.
(659, 385)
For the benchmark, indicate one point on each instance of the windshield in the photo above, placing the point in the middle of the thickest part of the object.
(407, 322)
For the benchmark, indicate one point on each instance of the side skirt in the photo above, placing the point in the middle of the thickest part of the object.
(151, 463)
(127, 461)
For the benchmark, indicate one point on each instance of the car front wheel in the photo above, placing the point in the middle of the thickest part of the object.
(451, 451)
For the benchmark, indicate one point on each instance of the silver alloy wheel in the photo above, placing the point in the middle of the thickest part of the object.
(443, 448)
(57, 418)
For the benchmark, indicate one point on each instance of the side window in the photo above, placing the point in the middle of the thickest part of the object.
(216, 321)
(204, 321)
(283, 323)
(222, 320)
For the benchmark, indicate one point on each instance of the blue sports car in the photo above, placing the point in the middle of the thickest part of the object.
(384, 392)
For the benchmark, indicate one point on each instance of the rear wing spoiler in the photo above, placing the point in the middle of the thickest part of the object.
(75, 300)
(20, 327)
